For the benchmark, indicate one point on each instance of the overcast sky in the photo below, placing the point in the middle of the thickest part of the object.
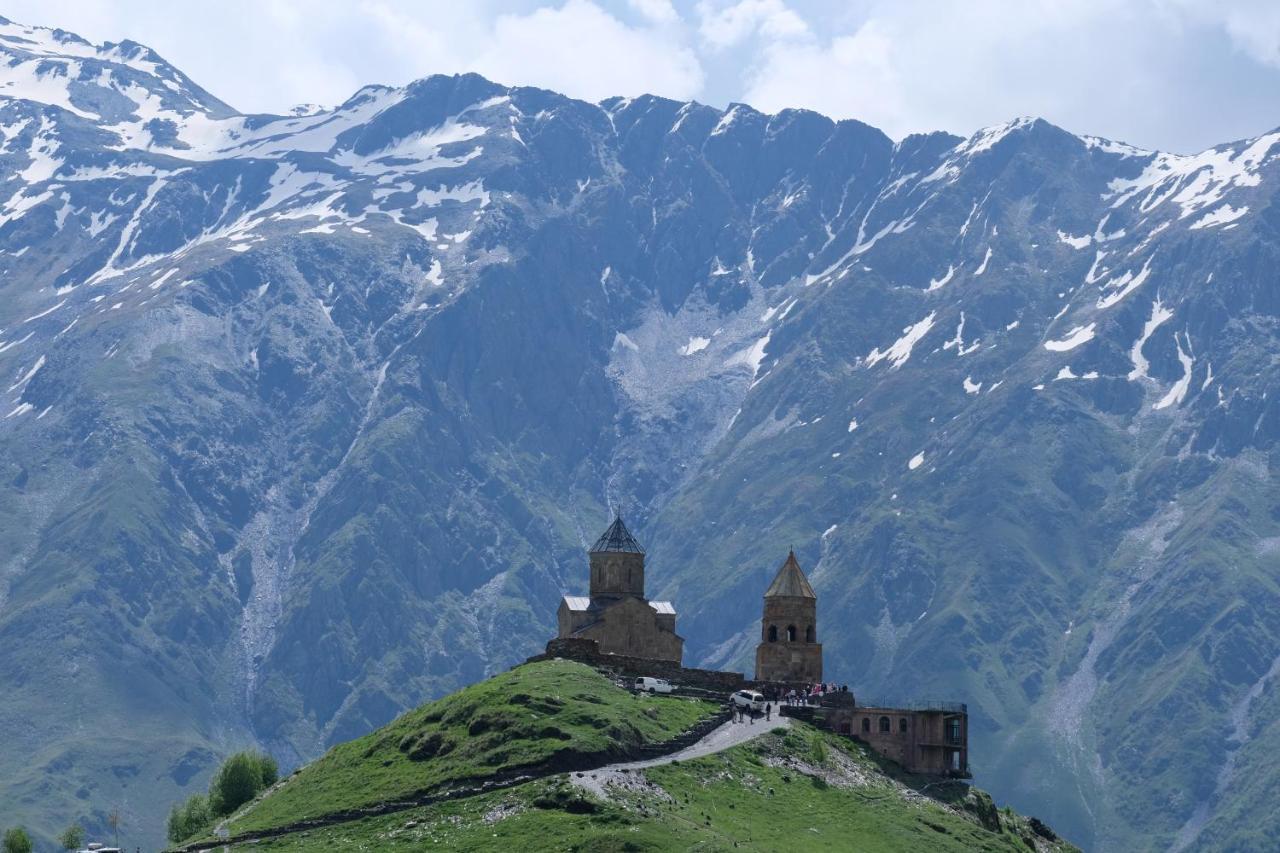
(1178, 75)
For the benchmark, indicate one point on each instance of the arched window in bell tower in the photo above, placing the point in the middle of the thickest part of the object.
(791, 633)
(808, 634)
(773, 633)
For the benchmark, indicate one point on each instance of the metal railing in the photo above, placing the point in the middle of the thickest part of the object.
(915, 705)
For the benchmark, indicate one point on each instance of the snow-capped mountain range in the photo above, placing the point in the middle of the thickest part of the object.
(308, 418)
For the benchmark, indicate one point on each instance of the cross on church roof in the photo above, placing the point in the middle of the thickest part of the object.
(617, 539)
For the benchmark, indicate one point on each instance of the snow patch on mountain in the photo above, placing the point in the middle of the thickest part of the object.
(939, 283)
(752, 356)
(1123, 285)
(1178, 392)
(1159, 314)
(1220, 216)
(982, 267)
(694, 345)
(1196, 181)
(900, 350)
(1076, 337)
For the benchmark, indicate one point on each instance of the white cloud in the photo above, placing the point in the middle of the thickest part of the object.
(1252, 25)
(729, 25)
(656, 11)
(1145, 71)
(852, 76)
(582, 50)
(1172, 74)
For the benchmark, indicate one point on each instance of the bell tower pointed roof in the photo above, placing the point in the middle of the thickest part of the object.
(790, 581)
(617, 540)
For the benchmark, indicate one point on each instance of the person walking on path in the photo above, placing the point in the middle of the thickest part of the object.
(767, 707)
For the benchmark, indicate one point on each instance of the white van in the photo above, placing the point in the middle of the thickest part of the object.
(749, 699)
(645, 684)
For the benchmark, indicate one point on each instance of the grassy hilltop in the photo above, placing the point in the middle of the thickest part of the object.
(783, 789)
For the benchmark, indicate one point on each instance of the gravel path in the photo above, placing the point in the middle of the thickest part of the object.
(725, 737)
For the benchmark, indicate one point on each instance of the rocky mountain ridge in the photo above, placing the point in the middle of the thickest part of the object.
(310, 418)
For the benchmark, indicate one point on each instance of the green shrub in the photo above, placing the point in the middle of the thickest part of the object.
(16, 840)
(270, 770)
(190, 818)
(72, 838)
(240, 778)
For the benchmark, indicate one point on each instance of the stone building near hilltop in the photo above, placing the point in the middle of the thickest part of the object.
(615, 628)
(789, 651)
(615, 613)
(925, 737)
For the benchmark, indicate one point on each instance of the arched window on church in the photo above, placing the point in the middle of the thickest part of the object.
(791, 633)
(866, 724)
(902, 725)
(773, 633)
(808, 634)
(884, 724)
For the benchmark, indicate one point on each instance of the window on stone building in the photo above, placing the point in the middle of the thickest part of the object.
(902, 725)
(808, 634)
(866, 724)
(773, 633)
(884, 724)
(791, 633)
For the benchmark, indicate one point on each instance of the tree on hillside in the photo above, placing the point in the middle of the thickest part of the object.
(72, 838)
(16, 840)
(190, 818)
(269, 769)
(240, 778)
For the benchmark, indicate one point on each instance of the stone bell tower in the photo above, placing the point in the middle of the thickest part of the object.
(789, 650)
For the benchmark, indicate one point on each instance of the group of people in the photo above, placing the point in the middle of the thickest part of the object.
(744, 714)
(811, 694)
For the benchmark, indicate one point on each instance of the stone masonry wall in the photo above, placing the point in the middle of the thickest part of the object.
(588, 652)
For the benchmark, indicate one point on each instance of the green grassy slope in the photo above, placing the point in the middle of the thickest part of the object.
(802, 789)
(528, 716)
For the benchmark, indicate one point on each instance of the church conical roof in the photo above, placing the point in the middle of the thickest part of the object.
(790, 581)
(617, 539)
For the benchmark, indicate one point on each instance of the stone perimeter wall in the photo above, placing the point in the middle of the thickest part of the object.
(836, 712)
(588, 652)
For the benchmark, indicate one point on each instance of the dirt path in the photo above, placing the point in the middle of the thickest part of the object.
(725, 737)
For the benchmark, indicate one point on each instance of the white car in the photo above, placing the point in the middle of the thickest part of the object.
(749, 699)
(645, 684)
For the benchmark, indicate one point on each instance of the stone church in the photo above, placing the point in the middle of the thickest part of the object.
(789, 651)
(615, 613)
